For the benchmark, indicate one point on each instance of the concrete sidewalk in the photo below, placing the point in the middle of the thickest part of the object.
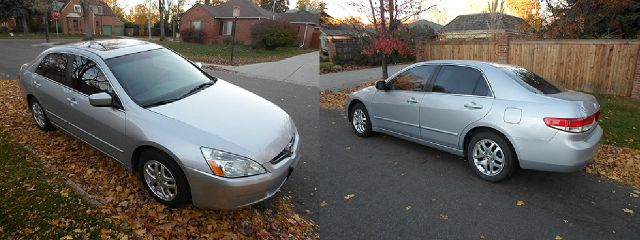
(302, 69)
(342, 80)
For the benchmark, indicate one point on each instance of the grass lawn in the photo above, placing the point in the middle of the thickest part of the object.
(37, 204)
(620, 119)
(51, 36)
(221, 54)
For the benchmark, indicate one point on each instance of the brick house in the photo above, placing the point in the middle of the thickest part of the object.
(106, 22)
(476, 26)
(216, 21)
(308, 25)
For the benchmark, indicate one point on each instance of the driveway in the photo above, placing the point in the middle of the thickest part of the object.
(302, 69)
(346, 79)
(408, 191)
(301, 102)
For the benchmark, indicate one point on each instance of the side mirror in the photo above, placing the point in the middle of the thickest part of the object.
(198, 64)
(102, 99)
(381, 85)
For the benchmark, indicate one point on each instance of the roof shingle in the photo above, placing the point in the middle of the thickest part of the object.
(480, 21)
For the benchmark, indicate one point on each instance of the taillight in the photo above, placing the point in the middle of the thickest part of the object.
(574, 125)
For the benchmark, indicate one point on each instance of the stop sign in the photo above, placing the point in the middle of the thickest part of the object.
(55, 14)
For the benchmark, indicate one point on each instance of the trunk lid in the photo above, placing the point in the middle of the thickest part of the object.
(588, 104)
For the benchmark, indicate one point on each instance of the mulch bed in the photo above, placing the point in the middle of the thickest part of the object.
(123, 198)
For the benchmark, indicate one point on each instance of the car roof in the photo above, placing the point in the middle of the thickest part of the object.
(110, 48)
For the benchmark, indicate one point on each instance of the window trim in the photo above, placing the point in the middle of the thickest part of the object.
(224, 23)
(68, 74)
(425, 88)
(492, 95)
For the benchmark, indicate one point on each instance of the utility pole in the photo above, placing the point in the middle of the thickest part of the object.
(149, 19)
(273, 10)
(236, 14)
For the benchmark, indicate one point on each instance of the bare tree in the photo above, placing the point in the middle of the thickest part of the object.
(87, 28)
(161, 8)
(496, 10)
(43, 7)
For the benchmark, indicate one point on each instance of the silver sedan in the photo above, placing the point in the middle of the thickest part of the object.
(499, 117)
(189, 136)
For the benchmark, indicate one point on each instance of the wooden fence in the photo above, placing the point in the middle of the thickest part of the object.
(598, 66)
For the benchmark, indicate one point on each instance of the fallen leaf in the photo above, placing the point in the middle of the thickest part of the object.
(519, 203)
(323, 204)
(407, 208)
(558, 237)
(627, 210)
(444, 216)
(29, 187)
(349, 196)
(64, 193)
(482, 236)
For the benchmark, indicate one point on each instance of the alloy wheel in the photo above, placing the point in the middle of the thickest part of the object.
(160, 180)
(488, 157)
(359, 120)
(38, 114)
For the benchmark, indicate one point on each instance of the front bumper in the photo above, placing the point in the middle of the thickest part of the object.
(211, 191)
(565, 152)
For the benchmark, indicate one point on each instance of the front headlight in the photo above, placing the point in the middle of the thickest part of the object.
(226, 164)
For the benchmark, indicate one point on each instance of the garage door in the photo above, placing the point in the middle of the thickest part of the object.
(106, 30)
(118, 30)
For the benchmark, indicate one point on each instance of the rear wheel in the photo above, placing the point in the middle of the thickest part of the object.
(360, 121)
(39, 115)
(164, 179)
(491, 156)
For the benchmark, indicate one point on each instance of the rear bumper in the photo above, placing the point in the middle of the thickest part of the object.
(565, 152)
(210, 191)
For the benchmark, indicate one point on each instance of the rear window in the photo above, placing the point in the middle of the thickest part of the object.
(531, 81)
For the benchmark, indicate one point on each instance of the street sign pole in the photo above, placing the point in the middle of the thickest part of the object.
(57, 34)
(236, 14)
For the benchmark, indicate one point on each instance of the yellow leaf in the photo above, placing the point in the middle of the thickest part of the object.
(407, 208)
(349, 196)
(119, 188)
(519, 203)
(627, 210)
(558, 237)
(323, 204)
(64, 193)
(444, 216)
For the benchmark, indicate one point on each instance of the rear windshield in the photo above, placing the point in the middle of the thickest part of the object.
(531, 81)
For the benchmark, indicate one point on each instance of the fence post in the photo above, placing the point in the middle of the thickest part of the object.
(332, 50)
(635, 89)
(419, 50)
(502, 49)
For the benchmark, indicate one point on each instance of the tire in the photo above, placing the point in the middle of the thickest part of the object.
(39, 116)
(175, 197)
(501, 154)
(360, 120)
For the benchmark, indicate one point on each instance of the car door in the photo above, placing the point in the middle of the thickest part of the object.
(102, 127)
(52, 86)
(397, 108)
(460, 96)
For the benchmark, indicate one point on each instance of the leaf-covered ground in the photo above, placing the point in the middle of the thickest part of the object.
(617, 159)
(37, 204)
(123, 199)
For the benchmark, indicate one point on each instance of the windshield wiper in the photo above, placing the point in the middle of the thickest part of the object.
(192, 91)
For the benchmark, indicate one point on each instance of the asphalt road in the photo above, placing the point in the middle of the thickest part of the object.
(408, 191)
(13, 53)
(301, 102)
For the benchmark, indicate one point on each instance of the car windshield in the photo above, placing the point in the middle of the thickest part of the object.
(531, 81)
(157, 77)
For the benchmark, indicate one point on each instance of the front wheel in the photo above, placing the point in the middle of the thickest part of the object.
(39, 115)
(491, 157)
(360, 121)
(164, 179)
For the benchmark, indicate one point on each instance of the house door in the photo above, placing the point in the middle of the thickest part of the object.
(106, 30)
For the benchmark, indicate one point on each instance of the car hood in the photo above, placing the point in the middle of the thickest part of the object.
(249, 124)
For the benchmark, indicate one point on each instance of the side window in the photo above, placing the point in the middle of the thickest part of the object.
(413, 79)
(87, 77)
(54, 67)
(461, 80)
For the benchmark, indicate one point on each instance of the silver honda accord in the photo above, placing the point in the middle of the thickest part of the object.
(499, 117)
(189, 136)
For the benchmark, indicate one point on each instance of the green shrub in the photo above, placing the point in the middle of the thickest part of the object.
(273, 34)
(190, 35)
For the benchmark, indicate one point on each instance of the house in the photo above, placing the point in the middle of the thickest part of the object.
(477, 26)
(308, 25)
(216, 22)
(341, 40)
(71, 18)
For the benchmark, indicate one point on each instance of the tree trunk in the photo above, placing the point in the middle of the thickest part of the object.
(383, 33)
(25, 26)
(46, 26)
(87, 28)
(161, 4)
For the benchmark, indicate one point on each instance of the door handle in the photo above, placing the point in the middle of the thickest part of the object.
(412, 100)
(36, 83)
(473, 105)
(72, 101)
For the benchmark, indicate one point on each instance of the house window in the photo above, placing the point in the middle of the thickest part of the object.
(97, 10)
(196, 25)
(77, 8)
(75, 24)
(227, 26)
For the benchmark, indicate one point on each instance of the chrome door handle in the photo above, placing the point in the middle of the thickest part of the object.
(72, 101)
(473, 105)
(412, 100)
(36, 83)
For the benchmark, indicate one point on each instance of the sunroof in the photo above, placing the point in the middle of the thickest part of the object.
(106, 45)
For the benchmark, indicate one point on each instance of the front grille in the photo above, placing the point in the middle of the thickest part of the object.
(285, 153)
